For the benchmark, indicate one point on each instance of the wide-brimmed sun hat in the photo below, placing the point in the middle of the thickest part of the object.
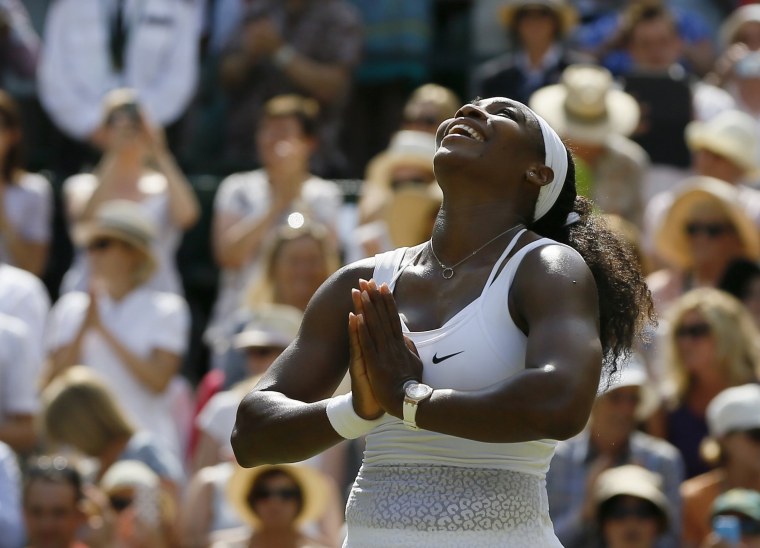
(313, 484)
(125, 221)
(410, 213)
(737, 18)
(567, 14)
(407, 148)
(271, 325)
(633, 481)
(731, 134)
(671, 240)
(585, 105)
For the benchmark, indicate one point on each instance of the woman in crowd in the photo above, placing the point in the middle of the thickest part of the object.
(276, 501)
(703, 230)
(136, 165)
(81, 412)
(131, 334)
(709, 343)
(495, 352)
(26, 200)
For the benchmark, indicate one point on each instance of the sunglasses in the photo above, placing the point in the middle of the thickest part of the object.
(641, 510)
(100, 244)
(119, 504)
(282, 494)
(693, 331)
(711, 230)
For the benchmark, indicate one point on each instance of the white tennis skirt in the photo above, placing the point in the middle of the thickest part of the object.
(442, 506)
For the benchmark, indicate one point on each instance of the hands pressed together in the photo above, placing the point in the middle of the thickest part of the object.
(382, 358)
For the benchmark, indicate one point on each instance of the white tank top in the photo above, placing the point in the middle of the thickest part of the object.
(476, 348)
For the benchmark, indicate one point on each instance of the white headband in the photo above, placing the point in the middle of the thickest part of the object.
(556, 159)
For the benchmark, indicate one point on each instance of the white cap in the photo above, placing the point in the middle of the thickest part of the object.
(736, 408)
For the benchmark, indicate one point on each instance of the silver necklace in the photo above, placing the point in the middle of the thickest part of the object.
(448, 271)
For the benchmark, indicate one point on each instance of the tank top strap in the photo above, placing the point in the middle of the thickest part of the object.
(387, 264)
(497, 266)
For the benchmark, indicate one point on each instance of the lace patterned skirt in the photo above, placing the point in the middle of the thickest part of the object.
(440, 506)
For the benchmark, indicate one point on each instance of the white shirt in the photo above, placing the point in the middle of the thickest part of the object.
(160, 60)
(24, 297)
(11, 520)
(248, 196)
(145, 320)
(156, 206)
(217, 418)
(18, 381)
(28, 207)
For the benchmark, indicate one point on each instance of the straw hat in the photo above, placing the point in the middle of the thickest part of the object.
(407, 148)
(738, 17)
(271, 325)
(731, 134)
(633, 481)
(567, 14)
(313, 484)
(585, 105)
(410, 212)
(125, 221)
(671, 240)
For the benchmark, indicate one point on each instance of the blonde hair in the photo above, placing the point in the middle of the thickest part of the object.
(736, 337)
(79, 410)
(263, 288)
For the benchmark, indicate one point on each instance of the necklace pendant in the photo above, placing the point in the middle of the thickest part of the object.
(447, 273)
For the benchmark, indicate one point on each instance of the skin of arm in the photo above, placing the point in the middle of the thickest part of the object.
(195, 515)
(284, 418)
(554, 296)
(26, 254)
(236, 239)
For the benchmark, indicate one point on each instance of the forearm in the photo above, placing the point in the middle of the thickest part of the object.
(323, 82)
(243, 239)
(150, 374)
(529, 406)
(105, 177)
(23, 253)
(64, 357)
(271, 428)
(183, 203)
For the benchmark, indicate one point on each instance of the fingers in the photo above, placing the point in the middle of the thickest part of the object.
(390, 309)
(366, 341)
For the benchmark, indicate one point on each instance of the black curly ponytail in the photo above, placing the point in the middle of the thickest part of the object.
(625, 303)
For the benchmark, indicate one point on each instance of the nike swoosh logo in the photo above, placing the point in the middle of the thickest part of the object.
(436, 359)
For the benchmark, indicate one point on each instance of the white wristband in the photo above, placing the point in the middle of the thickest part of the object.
(345, 421)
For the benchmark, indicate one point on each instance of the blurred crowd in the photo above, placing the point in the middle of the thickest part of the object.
(178, 178)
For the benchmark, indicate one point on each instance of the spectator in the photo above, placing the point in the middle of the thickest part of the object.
(136, 166)
(709, 344)
(744, 505)
(54, 507)
(276, 501)
(726, 148)
(80, 411)
(10, 499)
(611, 440)
(398, 41)
(744, 83)
(271, 329)
(428, 106)
(631, 509)
(249, 205)
(26, 200)
(297, 46)
(537, 30)
(132, 335)
(669, 96)
(19, 43)
(734, 446)
(703, 230)
(145, 512)
(742, 280)
(400, 197)
(90, 48)
(739, 33)
(591, 113)
(18, 387)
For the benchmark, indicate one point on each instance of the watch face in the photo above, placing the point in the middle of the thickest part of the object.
(418, 391)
